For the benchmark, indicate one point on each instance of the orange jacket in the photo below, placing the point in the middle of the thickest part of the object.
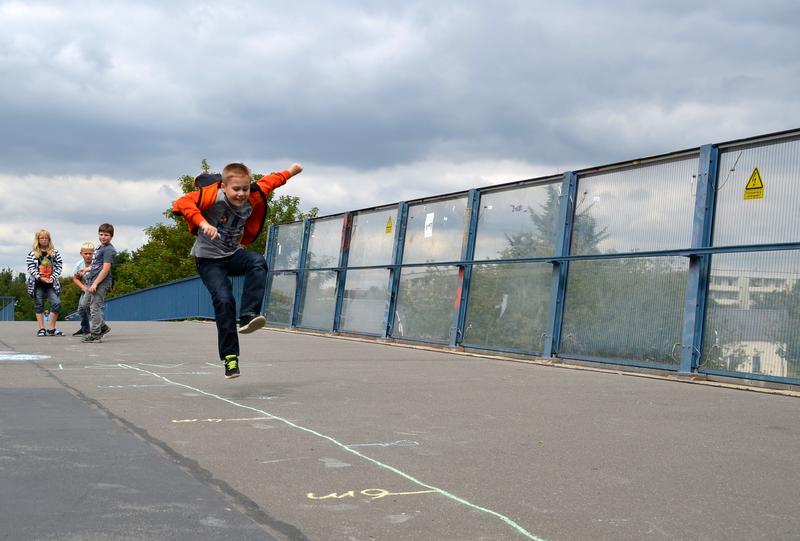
(192, 204)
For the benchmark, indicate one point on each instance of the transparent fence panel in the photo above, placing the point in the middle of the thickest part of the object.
(630, 309)
(516, 223)
(372, 238)
(324, 243)
(644, 208)
(281, 298)
(753, 314)
(366, 293)
(435, 231)
(508, 306)
(742, 217)
(286, 255)
(425, 303)
(318, 300)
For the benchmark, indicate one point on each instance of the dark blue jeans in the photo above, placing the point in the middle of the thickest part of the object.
(47, 291)
(215, 273)
(83, 313)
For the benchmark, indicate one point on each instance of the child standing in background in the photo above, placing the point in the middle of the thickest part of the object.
(99, 281)
(44, 268)
(80, 274)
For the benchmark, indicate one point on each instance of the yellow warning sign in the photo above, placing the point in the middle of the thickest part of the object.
(755, 186)
(389, 225)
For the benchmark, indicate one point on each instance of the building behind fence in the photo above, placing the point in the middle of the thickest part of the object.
(687, 262)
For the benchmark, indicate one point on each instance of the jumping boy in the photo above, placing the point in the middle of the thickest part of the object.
(99, 281)
(224, 216)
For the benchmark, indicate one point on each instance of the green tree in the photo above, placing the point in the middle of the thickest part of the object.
(14, 286)
(508, 305)
(540, 239)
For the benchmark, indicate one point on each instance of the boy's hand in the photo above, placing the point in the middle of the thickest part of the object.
(295, 168)
(208, 230)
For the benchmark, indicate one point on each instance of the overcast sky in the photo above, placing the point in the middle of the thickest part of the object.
(103, 105)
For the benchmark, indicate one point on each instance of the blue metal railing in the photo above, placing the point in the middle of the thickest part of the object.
(579, 278)
(7, 308)
(181, 299)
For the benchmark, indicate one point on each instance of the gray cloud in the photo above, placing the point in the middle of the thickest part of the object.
(144, 90)
(143, 84)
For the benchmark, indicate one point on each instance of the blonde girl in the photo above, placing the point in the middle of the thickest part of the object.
(44, 268)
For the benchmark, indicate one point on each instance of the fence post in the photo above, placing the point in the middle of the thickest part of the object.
(268, 257)
(394, 273)
(699, 264)
(341, 274)
(465, 269)
(301, 272)
(558, 288)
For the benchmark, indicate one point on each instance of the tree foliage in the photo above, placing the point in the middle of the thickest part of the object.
(14, 286)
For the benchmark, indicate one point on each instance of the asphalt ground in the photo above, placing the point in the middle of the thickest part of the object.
(141, 437)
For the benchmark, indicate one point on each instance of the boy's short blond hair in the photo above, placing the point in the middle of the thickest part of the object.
(235, 170)
(87, 246)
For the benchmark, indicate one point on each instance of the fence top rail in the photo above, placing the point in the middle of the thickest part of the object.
(588, 171)
(681, 252)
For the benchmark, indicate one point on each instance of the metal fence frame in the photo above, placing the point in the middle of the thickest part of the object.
(188, 298)
(698, 255)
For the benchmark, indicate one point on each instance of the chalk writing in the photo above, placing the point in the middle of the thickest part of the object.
(398, 443)
(218, 420)
(371, 493)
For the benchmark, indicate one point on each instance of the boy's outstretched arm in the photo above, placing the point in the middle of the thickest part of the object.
(267, 183)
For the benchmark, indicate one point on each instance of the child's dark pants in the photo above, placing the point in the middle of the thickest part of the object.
(215, 273)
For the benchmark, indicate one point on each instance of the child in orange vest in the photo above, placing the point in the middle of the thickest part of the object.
(224, 216)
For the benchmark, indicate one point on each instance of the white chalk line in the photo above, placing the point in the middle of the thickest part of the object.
(347, 448)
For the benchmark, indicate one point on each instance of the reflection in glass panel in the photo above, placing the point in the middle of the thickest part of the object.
(770, 218)
(520, 222)
(435, 231)
(508, 306)
(372, 238)
(286, 254)
(644, 208)
(318, 300)
(324, 243)
(625, 309)
(425, 303)
(366, 294)
(281, 298)
(753, 314)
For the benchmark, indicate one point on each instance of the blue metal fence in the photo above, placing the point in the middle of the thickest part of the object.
(687, 262)
(7, 308)
(181, 299)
